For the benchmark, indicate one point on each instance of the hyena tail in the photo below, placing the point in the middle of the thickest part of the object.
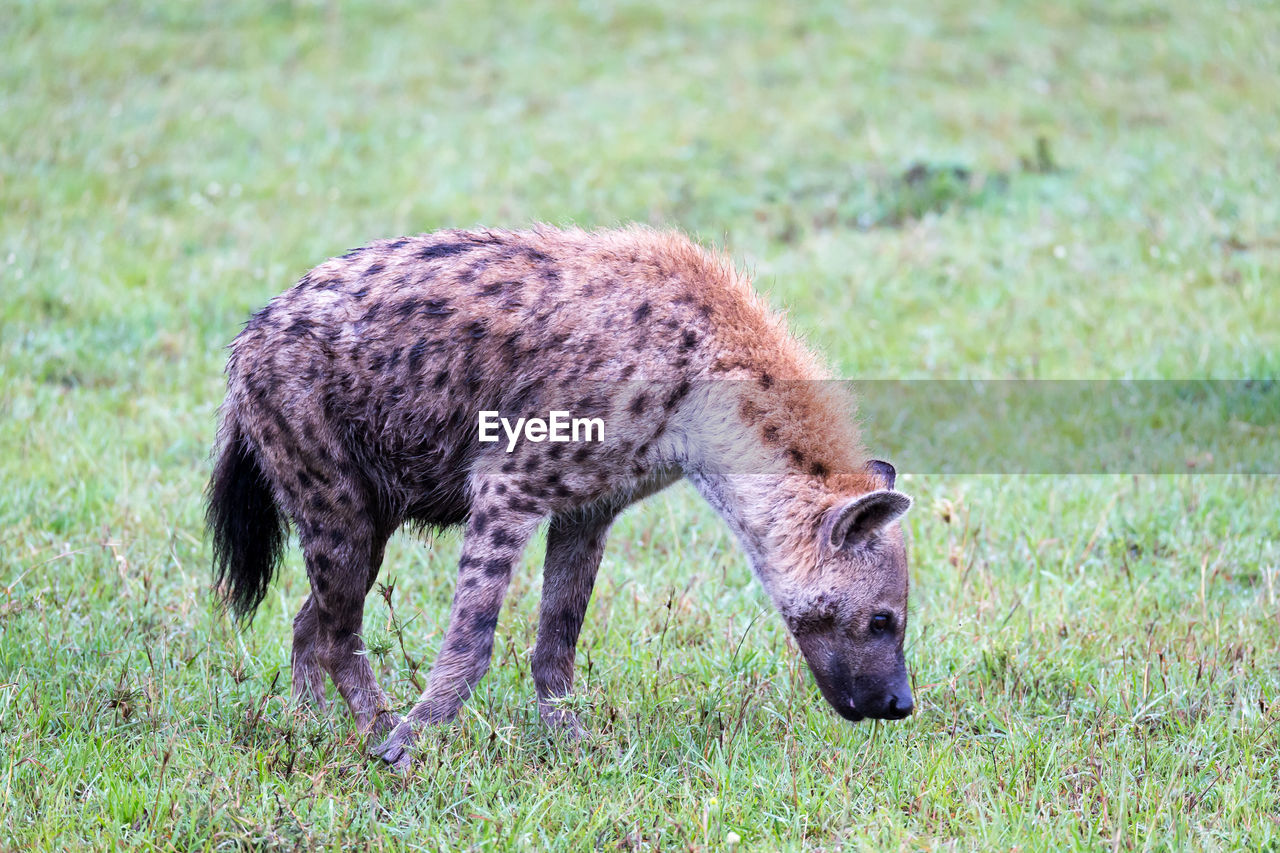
(246, 525)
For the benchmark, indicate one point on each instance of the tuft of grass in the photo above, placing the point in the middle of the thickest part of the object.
(1094, 656)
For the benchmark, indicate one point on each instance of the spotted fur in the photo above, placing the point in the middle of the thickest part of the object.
(352, 407)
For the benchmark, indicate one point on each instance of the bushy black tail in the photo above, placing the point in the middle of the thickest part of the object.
(246, 525)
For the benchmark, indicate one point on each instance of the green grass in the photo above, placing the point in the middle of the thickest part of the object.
(1096, 658)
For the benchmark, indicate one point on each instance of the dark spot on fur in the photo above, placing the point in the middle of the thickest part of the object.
(497, 567)
(771, 433)
(796, 456)
(374, 268)
(582, 454)
(688, 340)
(555, 451)
(304, 479)
(337, 538)
(462, 645)
(299, 326)
(477, 329)
(483, 623)
(405, 309)
(676, 395)
(398, 244)
(642, 313)
(508, 467)
(817, 469)
(531, 464)
(441, 378)
(443, 250)
(416, 353)
(502, 539)
(520, 504)
(766, 380)
(353, 254)
(628, 370)
(493, 289)
(570, 625)
(500, 489)
(283, 427)
(479, 520)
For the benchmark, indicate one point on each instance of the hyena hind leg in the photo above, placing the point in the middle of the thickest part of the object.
(575, 545)
(341, 564)
(308, 673)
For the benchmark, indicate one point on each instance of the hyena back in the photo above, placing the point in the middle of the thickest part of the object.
(352, 409)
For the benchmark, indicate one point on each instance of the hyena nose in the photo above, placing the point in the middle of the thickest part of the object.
(898, 707)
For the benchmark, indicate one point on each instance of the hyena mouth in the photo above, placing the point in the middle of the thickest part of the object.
(849, 711)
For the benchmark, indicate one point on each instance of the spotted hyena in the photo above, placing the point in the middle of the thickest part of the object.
(354, 405)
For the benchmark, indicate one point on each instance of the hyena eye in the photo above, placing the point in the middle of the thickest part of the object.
(881, 623)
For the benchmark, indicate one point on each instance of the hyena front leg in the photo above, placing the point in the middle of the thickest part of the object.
(495, 540)
(575, 544)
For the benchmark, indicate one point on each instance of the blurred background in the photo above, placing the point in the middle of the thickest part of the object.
(1075, 190)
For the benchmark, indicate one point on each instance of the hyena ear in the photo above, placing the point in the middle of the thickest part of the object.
(884, 471)
(854, 522)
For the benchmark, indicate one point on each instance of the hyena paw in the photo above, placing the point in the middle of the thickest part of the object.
(382, 725)
(397, 749)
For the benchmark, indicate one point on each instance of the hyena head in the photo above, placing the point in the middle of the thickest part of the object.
(850, 616)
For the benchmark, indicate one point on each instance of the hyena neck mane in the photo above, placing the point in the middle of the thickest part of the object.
(777, 500)
(774, 444)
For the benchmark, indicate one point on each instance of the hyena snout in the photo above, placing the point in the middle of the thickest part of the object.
(858, 685)
(888, 703)
(869, 696)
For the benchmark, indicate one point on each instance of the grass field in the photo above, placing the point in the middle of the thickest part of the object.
(1097, 195)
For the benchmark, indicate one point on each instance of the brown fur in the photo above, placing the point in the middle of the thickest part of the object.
(355, 396)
